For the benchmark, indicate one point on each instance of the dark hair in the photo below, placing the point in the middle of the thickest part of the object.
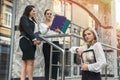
(27, 13)
(27, 10)
(46, 11)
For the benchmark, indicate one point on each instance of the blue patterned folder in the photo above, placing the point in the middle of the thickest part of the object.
(60, 22)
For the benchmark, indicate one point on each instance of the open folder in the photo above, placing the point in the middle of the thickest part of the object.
(60, 22)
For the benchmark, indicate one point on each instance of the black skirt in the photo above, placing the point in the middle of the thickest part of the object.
(27, 48)
(88, 75)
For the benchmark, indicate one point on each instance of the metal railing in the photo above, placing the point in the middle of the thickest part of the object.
(62, 73)
(78, 36)
(63, 55)
(116, 61)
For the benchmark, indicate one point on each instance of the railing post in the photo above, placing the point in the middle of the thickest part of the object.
(115, 66)
(118, 62)
(50, 65)
(63, 65)
(12, 40)
(106, 65)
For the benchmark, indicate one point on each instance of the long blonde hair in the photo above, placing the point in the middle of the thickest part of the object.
(94, 33)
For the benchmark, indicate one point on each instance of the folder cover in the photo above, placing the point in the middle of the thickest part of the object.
(58, 21)
(65, 26)
(37, 35)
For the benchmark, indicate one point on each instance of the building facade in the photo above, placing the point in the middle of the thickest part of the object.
(6, 7)
(97, 14)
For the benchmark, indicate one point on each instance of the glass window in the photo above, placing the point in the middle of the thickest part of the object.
(4, 61)
(8, 15)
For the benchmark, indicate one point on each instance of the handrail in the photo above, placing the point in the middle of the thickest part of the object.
(77, 36)
(61, 35)
(110, 46)
(60, 50)
(51, 43)
(77, 25)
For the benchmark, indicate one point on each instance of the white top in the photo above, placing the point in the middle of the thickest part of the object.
(45, 31)
(99, 54)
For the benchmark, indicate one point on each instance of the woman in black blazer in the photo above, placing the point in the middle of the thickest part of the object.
(28, 41)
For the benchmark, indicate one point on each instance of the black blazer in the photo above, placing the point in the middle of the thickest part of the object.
(27, 27)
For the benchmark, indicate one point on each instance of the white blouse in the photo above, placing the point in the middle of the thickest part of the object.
(45, 31)
(99, 54)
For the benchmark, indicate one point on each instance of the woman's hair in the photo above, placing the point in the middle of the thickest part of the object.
(93, 31)
(28, 10)
(27, 13)
(46, 11)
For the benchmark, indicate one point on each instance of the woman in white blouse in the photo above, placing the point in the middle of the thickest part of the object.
(45, 30)
(92, 56)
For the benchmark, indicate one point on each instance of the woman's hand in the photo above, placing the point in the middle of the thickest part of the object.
(79, 51)
(37, 42)
(57, 30)
(84, 66)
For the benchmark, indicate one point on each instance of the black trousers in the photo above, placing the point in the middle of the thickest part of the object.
(87, 75)
(55, 58)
